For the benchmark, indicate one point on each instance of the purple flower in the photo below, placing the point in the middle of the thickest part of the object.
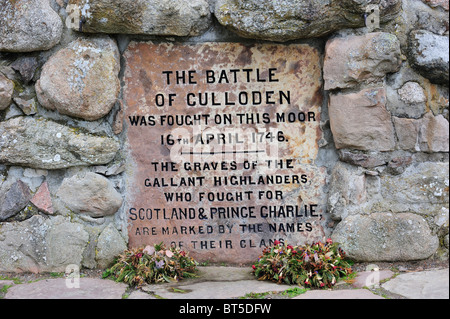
(160, 264)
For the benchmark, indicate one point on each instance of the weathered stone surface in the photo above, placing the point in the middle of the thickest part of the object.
(371, 279)
(89, 288)
(28, 107)
(40, 245)
(386, 237)
(150, 17)
(91, 194)
(360, 120)
(13, 200)
(431, 284)
(423, 188)
(412, 92)
(42, 199)
(428, 134)
(26, 66)
(292, 19)
(438, 3)
(110, 244)
(407, 131)
(6, 91)
(351, 60)
(347, 188)
(420, 188)
(429, 55)
(40, 143)
(28, 25)
(434, 134)
(82, 79)
(408, 93)
(348, 294)
(370, 160)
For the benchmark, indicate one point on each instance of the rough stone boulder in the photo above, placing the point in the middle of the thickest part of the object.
(351, 60)
(286, 20)
(361, 121)
(91, 194)
(40, 143)
(13, 199)
(149, 17)
(82, 79)
(6, 91)
(429, 55)
(39, 244)
(386, 237)
(28, 25)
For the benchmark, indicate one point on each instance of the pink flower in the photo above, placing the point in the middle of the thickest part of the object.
(254, 267)
(329, 241)
(322, 284)
(290, 247)
(277, 242)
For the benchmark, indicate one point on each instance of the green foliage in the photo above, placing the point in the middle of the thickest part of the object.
(152, 264)
(317, 265)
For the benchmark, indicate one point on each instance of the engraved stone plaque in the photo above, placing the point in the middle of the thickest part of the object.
(222, 141)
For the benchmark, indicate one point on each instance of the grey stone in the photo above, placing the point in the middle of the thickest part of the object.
(28, 25)
(81, 80)
(215, 290)
(41, 245)
(422, 188)
(432, 284)
(386, 237)
(91, 194)
(28, 107)
(6, 91)
(40, 143)
(350, 60)
(347, 188)
(110, 244)
(293, 19)
(14, 200)
(412, 92)
(401, 87)
(149, 17)
(371, 279)
(64, 288)
(338, 294)
(26, 66)
(429, 55)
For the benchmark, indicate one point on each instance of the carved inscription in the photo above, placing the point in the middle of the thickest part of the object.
(222, 141)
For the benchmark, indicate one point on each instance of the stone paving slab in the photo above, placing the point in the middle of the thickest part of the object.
(231, 282)
(89, 288)
(371, 279)
(339, 294)
(215, 290)
(432, 284)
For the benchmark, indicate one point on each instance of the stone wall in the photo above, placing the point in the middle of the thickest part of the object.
(62, 155)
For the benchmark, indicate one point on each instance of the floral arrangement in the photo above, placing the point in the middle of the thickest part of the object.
(317, 265)
(152, 264)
